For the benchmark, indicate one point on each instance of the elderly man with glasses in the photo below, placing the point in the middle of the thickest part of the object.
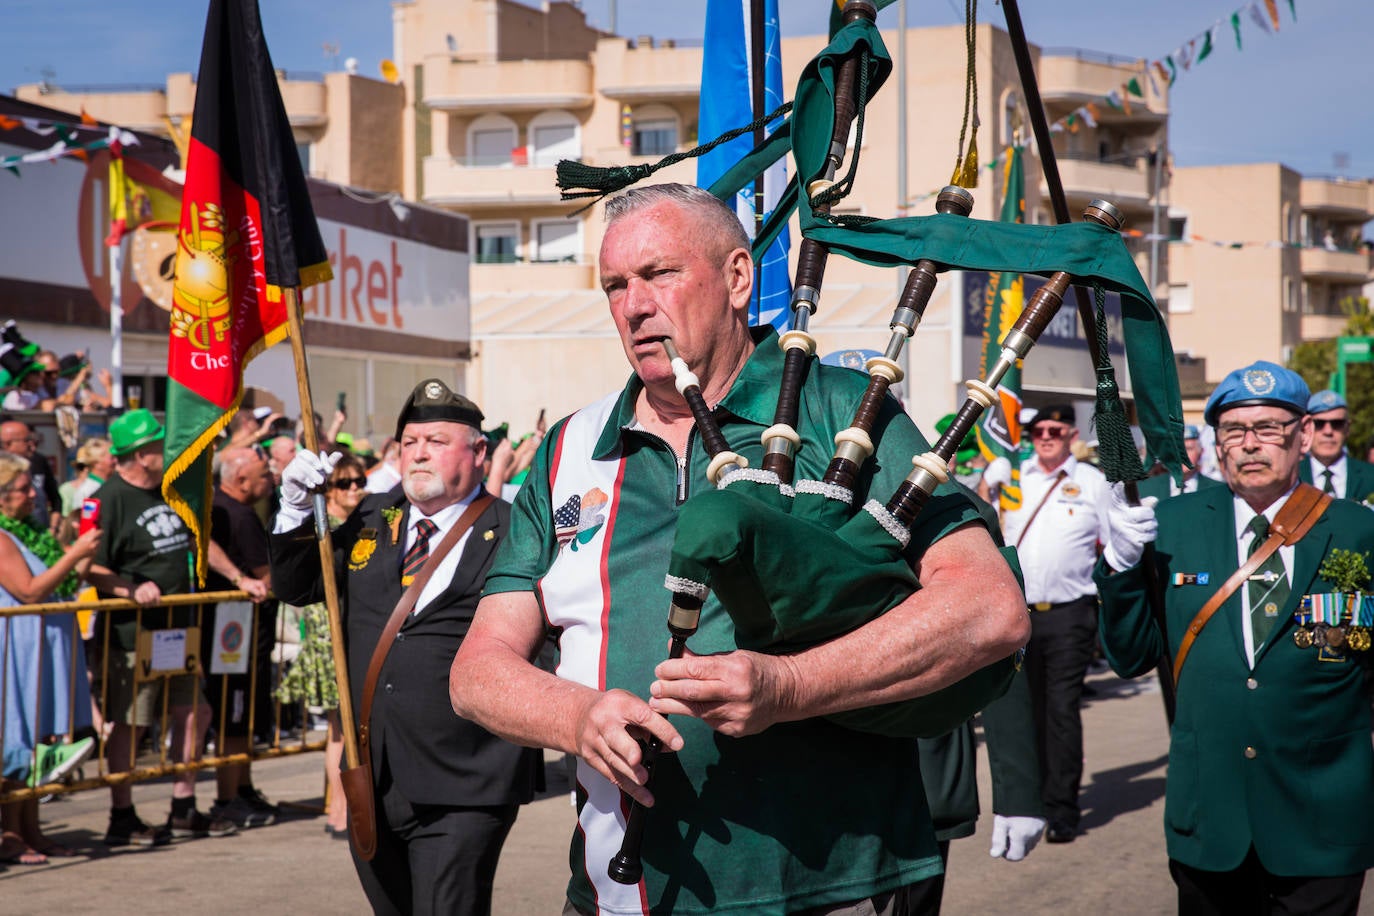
(1269, 805)
(1328, 465)
(1058, 531)
(17, 438)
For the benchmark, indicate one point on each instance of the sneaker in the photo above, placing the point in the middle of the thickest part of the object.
(197, 825)
(241, 813)
(259, 803)
(130, 830)
(57, 760)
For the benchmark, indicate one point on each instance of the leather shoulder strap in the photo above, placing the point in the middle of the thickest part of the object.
(406, 605)
(1294, 520)
(1058, 479)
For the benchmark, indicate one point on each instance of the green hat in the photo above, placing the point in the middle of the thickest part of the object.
(10, 334)
(968, 447)
(433, 401)
(15, 365)
(133, 430)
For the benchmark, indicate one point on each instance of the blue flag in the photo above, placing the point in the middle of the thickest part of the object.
(726, 93)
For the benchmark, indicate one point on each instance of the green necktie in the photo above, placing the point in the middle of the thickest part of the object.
(1268, 585)
(1327, 486)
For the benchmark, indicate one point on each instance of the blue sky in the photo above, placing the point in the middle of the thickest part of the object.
(1301, 97)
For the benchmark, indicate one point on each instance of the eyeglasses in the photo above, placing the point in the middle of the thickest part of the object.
(1267, 432)
(1048, 432)
(1337, 426)
(350, 483)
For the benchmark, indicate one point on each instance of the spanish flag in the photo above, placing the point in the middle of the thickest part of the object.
(138, 194)
(247, 232)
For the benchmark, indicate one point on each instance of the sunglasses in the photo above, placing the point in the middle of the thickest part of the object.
(350, 483)
(1046, 432)
(1335, 425)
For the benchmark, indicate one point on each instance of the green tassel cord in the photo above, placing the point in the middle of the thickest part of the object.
(1116, 451)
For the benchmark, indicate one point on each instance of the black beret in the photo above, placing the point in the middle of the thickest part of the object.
(1059, 413)
(433, 401)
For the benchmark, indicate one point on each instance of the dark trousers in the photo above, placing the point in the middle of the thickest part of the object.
(1057, 656)
(433, 859)
(1252, 890)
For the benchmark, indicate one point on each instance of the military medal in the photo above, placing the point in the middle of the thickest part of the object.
(1359, 639)
(1335, 636)
(1303, 638)
(363, 548)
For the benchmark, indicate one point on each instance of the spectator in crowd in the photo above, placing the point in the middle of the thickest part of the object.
(508, 465)
(18, 438)
(38, 658)
(1162, 486)
(93, 465)
(280, 450)
(74, 374)
(1057, 533)
(54, 389)
(312, 679)
(145, 554)
(242, 703)
(675, 264)
(250, 426)
(25, 374)
(1328, 465)
(387, 473)
(1273, 705)
(447, 791)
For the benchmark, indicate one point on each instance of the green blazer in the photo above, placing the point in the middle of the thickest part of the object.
(1359, 476)
(1278, 757)
(1158, 486)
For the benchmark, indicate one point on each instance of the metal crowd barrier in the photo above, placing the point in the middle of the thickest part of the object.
(190, 663)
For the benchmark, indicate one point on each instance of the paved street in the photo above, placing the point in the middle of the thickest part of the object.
(1117, 865)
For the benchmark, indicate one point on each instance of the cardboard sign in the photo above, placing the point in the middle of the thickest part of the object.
(164, 653)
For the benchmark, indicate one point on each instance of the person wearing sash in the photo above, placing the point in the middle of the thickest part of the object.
(1163, 486)
(1057, 532)
(1269, 804)
(446, 790)
(1328, 465)
(764, 806)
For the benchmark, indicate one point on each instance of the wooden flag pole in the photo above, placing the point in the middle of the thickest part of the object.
(322, 536)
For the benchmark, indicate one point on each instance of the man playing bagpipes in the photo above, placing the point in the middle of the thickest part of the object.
(765, 804)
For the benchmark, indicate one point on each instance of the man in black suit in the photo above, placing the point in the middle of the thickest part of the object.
(1327, 465)
(446, 790)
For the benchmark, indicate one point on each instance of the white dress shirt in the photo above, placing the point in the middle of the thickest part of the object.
(1338, 474)
(443, 520)
(1059, 549)
(1243, 538)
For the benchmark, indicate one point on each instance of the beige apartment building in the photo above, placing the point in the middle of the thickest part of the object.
(491, 94)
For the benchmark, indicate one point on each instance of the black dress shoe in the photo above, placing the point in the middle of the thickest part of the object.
(1060, 832)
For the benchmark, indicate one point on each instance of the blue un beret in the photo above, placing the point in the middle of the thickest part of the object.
(1324, 400)
(1190, 431)
(1260, 383)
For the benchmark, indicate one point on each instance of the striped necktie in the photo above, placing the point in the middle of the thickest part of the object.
(419, 551)
(1327, 485)
(1268, 585)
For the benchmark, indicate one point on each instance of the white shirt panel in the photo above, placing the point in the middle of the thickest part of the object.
(1243, 538)
(443, 520)
(1060, 548)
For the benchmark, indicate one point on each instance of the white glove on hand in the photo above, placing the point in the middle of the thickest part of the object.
(1132, 528)
(1014, 837)
(998, 473)
(306, 473)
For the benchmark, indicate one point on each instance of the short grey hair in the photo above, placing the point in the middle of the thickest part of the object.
(722, 221)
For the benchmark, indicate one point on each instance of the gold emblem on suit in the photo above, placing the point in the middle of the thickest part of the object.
(363, 549)
(489, 535)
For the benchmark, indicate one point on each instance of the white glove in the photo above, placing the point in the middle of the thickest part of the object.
(1014, 837)
(997, 473)
(305, 473)
(1132, 528)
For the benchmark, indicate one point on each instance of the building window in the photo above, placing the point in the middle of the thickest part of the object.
(497, 243)
(655, 131)
(553, 135)
(1292, 295)
(557, 240)
(1178, 227)
(304, 150)
(491, 141)
(1011, 118)
(1180, 298)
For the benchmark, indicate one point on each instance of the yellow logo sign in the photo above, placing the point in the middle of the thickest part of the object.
(200, 299)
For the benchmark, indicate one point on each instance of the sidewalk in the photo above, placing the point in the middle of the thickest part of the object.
(1117, 865)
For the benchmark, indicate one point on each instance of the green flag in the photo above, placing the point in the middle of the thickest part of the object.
(999, 430)
(1206, 47)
